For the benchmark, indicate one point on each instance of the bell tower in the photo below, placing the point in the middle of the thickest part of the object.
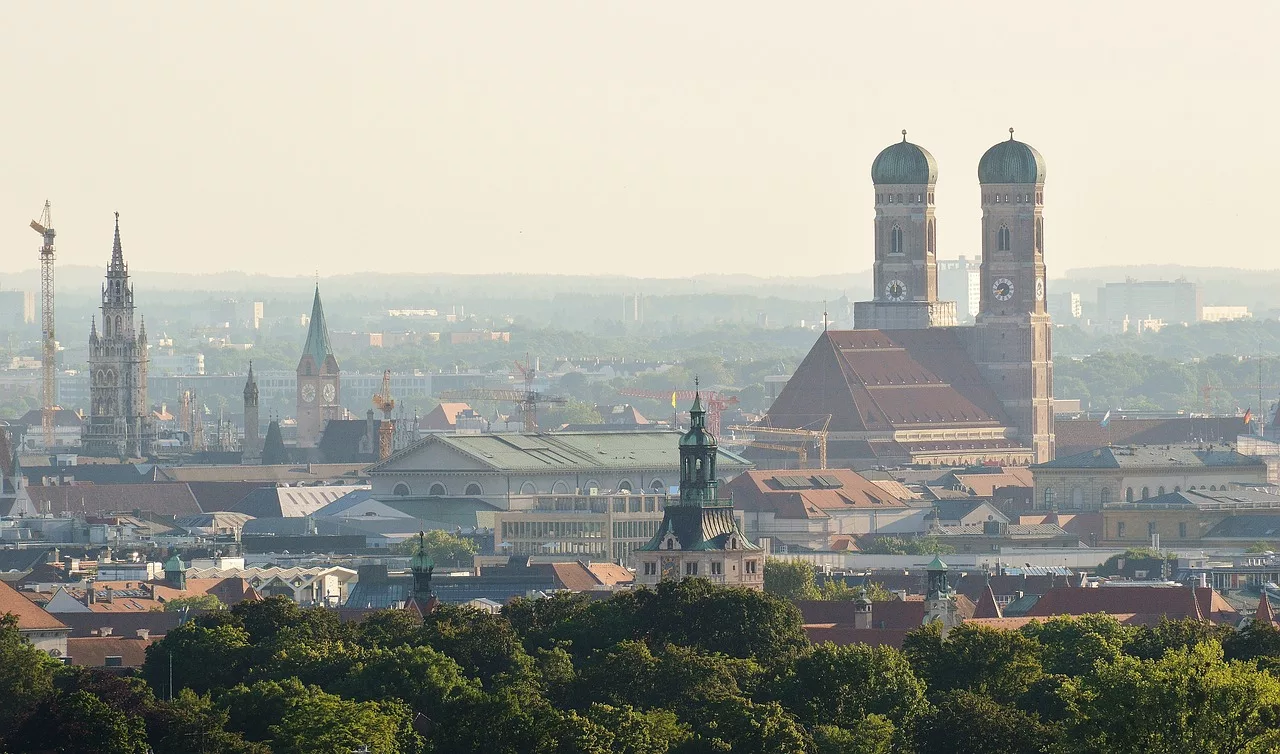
(1012, 333)
(905, 292)
(319, 386)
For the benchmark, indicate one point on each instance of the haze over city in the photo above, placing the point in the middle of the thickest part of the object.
(656, 139)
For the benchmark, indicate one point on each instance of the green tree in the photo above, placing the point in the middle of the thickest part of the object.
(791, 580)
(1257, 641)
(26, 675)
(318, 723)
(197, 658)
(81, 723)
(738, 725)
(1071, 645)
(841, 685)
(987, 661)
(976, 724)
(914, 546)
(1152, 642)
(427, 680)
(485, 646)
(194, 602)
(1260, 547)
(191, 723)
(872, 734)
(1189, 701)
(441, 546)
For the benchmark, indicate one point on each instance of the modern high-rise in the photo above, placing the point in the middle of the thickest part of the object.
(960, 280)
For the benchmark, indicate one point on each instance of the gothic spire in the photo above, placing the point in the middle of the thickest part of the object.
(251, 386)
(318, 333)
(117, 252)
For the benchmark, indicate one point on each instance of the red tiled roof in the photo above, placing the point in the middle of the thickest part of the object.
(894, 614)
(1172, 602)
(876, 380)
(985, 485)
(443, 417)
(611, 574)
(167, 499)
(847, 634)
(1263, 613)
(1073, 436)
(574, 576)
(31, 617)
(781, 493)
(93, 651)
(987, 607)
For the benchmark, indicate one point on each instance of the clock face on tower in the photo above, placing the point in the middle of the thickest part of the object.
(1003, 289)
(1039, 289)
(896, 290)
(329, 392)
(309, 393)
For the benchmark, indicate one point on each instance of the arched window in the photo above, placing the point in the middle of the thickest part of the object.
(560, 487)
(592, 484)
(1160, 490)
(119, 329)
(1049, 495)
(933, 238)
(1146, 492)
(438, 490)
(528, 488)
(473, 489)
(658, 486)
(1128, 495)
(1002, 238)
(106, 325)
(1105, 496)
(400, 490)
(624, 485)
(895, 240)
(1213, 488)
(1039, 234)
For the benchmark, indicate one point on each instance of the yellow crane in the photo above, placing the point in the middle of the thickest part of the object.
(802, 453)
(527, 400)
(816, 436)
(48, 344)
(385, 403)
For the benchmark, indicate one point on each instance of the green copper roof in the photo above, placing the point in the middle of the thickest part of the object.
(318, 333)
(936, 564)
(1011, 162)
(173, 564)
(904, 162)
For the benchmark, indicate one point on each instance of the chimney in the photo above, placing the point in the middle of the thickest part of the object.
(144, 633)
(109, 598)
(89, 596)
(104, 631)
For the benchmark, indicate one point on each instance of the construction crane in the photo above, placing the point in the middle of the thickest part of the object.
(816, 436)
(48, 345)
(802, 453)
(527, 400)
(385, 403)
(714, 402)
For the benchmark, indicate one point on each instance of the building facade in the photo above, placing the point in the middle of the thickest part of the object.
(699, 535)
(960, 280)
(319, 386)
(119, 423)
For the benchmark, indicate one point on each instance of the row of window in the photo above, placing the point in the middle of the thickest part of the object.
(896, 245)
(1076, 499)
(691, 568)
(1151, 529)
(1017, 198)
(900, 199)
(438, 489)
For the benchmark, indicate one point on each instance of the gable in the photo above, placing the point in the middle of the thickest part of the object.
(431, 454)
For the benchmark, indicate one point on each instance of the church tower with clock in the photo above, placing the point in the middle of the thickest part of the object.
(1011, 338)
(319, 387)
(905, 285)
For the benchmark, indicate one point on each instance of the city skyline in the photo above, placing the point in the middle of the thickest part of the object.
(476, 139)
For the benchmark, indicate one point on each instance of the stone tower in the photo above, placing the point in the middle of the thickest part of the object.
(119, 416)
(699, 535)
(251, 450)
(905, 282)
(1011, 336)
(319, 389)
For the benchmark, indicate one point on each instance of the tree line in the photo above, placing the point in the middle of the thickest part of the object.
(688, 668)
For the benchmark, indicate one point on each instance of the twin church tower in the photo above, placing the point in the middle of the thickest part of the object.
(1010, 342)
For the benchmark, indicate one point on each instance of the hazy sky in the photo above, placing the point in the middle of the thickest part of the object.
(645, 138)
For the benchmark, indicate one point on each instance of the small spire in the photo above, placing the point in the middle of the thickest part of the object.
(117, 252)
(1263, 614)
(1010, 133)
(904, 136)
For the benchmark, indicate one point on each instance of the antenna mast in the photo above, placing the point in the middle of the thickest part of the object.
(48, 343)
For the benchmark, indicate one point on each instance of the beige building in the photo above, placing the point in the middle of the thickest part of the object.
(1094, 479)
(1188, 518)
(598, 527)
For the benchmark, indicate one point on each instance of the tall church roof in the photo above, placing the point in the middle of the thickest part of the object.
(318, 333)
(904, 162)
(117, 252)
(1011, 162)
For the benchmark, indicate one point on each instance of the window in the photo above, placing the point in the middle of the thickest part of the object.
(473, 489)
(560, 487)
(1119, 530)
(1151, 528)
(895, 240)
(1077, 498)
(650, 569)
(437, 490)
(1160, 490)
(749, 566)
(400, 490)
(624, 485)
(1105, 496)
(658, 486)
(899, 198)
(717, 568)
(933, 238)
(1146, 492)
(671, 544)
(690, 569)
(1128, 495)
(1182, 530)
(528, 488)
(1213, 488)
(1039, 234)
(1002, 238)
(1049, 496)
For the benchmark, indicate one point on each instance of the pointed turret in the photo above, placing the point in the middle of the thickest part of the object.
(251, 387)
(317, 345)
(1263, 613)
(117, 252)
(987, 606)
(698, 481)
(93, 329)
(142, 330)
